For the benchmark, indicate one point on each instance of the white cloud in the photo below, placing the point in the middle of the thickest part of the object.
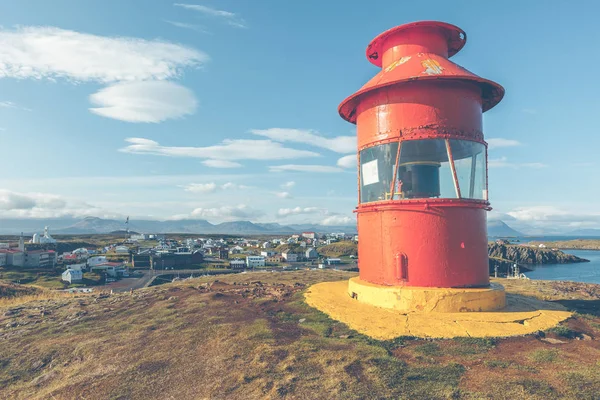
(338, 220)
(184, 25)
(12, 105)
(283, 195)
(503, 162)
(42, 205)
(553, 218)
(240, 211)
(230, 18)
(51, 53)
(284, 212)
(147, 101)
(339, 144)
(347, 161)
(221, 164)
(212, 187)
(304, 168)
(200, 187)
(529, 111)
(494, 143)
(234, 186)
(229, 149)
(288, 185)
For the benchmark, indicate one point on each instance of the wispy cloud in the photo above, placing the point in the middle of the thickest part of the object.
(347, 161)
(211, 187)
(192, 27)
(200, 187)
(338, 220)
(304, 168)
(149, 101)
(221, 164)
(339, 144)
(284, 212)
(494, 143)
(12, 105)
(227, 213)
(284, 195)
(42, 205)
(288, 185)
(52, 53)
(229, 149)
(228, 17)
(503, 162)
(529, 111)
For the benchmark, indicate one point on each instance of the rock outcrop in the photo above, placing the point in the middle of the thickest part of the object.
(531, 255)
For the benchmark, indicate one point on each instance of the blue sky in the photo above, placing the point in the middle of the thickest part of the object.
(227, 110)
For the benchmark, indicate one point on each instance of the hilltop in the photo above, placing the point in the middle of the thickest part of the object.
(251, 336)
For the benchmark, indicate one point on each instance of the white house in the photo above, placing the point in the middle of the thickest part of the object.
(43, 239)
(268, 253)
(311, 254)
(81, 253)
(309, 235)
(236, 250)
(333, 261)
(237, 263)
(93, 261)
(290, 257)
(77, 267)
(122, 250)
(72, 276)
(255, 261)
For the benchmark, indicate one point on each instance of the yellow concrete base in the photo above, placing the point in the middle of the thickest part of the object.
(522, 315)
(425, 299)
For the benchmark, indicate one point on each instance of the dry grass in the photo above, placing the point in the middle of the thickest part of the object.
(251, 336)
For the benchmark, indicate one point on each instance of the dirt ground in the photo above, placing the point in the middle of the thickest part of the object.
(251, 336)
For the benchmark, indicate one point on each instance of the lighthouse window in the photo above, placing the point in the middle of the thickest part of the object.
(423, 170)
(377, 171)
(469, 163)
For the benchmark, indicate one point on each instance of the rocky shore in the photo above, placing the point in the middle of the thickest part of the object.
(531, 255)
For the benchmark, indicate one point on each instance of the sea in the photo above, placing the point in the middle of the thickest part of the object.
(588, 272)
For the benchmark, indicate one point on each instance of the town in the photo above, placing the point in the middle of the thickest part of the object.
(104, 261)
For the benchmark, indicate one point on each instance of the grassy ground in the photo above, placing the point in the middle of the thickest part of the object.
(44, 277)
(251, 336)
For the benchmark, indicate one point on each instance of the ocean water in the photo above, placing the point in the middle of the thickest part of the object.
(580, 272)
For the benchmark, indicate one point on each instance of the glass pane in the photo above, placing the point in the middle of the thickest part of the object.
(424, 170)
(469, 162)
(376, 172)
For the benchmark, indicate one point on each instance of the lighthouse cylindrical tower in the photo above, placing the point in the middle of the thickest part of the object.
(422, 164)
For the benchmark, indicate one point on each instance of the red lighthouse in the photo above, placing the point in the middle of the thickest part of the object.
(422, 169)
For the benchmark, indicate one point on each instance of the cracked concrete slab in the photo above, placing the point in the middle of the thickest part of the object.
(522, 315)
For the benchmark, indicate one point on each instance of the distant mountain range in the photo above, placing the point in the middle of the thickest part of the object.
(499, 228)
(95, 225)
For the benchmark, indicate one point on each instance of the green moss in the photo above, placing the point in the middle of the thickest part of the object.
(428, 349)
(470, 346)
(537, 388)
(563, 331)
(544, 355)
(496, 364)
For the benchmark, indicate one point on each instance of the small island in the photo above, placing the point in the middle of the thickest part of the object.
(503, 255)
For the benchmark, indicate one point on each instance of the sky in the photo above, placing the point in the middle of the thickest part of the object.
(227, 109)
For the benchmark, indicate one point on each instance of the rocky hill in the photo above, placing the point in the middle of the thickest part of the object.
(531, 255)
